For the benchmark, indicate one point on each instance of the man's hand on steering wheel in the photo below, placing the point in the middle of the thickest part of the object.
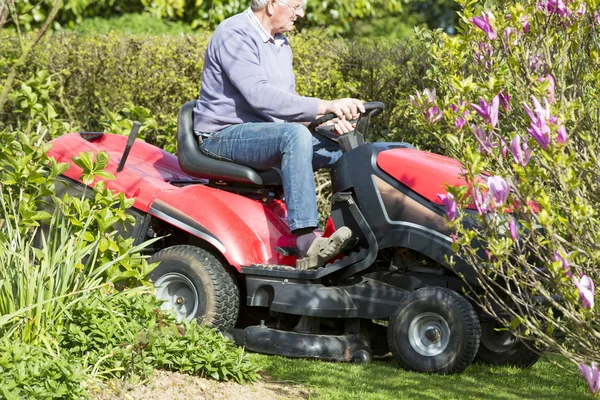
(341, 126)
(343, 108)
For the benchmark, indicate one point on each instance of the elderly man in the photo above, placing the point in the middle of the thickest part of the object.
(249, 113)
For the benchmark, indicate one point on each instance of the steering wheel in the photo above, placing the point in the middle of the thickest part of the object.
(353, 138)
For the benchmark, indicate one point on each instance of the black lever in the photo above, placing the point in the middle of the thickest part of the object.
(132, 135)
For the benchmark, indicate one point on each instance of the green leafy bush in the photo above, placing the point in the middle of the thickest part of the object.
(33, 372)
(129, 335)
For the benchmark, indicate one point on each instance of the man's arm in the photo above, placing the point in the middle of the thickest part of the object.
(239, 59)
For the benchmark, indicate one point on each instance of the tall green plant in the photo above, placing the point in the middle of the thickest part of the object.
(38, 285)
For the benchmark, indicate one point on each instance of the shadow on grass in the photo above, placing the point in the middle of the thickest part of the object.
(384, 380)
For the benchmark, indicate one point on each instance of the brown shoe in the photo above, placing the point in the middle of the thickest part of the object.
(324, 249)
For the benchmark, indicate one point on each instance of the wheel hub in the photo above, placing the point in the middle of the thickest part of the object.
(179, 295)
(429, 334)
(497, 339)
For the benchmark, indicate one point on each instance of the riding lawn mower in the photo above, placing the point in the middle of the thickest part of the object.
(227, 258)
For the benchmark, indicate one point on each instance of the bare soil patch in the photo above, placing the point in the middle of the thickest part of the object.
(176, 386)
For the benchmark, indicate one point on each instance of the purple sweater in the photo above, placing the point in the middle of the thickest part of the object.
(246, 79)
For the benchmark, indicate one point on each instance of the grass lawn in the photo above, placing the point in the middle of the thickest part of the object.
(383, 380)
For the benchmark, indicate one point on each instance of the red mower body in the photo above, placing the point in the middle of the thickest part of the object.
(247, 231)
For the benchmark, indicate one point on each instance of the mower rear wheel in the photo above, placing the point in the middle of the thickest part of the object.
(500, 347)
(194, 284)
(434, 330)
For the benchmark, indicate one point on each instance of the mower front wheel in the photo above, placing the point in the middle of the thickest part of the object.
(194, 284)
(500, 347)
(434, 330)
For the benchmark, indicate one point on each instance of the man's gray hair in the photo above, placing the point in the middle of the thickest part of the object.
(257, 5)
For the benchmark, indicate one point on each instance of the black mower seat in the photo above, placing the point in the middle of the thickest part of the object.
(193, 162)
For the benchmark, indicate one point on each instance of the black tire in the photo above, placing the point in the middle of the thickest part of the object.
(434, 330)
(500, 347)
(193, 273)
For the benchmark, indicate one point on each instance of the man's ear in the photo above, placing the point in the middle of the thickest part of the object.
(270, 8)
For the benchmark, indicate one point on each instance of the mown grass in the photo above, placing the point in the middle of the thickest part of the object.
(382, 380)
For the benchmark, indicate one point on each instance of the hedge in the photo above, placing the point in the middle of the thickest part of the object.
(99, 76)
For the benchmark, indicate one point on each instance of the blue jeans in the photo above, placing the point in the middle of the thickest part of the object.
(286, 145)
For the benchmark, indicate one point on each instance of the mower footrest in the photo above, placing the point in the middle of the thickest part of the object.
(285, 271)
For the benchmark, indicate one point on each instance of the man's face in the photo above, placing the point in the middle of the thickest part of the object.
(285, 15)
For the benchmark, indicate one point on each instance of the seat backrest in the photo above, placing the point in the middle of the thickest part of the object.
(193, 162)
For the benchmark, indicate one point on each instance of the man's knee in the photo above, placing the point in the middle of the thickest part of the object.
(299, 137)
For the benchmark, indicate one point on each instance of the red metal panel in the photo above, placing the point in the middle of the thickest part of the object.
(249, 229)
(423, 172)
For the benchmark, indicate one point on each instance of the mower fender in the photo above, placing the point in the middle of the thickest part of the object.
(245, 231)
(430, 243)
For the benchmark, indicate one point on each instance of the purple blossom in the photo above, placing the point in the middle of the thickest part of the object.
(582, 10)
(539, 128)
(525, 20)
(498, 193)
(557, 7)
(450, 205)
(586, 291)
(484, 55)
(564, 264)
(591, 375)
(489, 112)
(504, 147)
(505, 100)
(521, 154)
(429, 98)
(433, 114)
(480, 204)
(512, 226)
(551, 86)
(536, 63)
(460, 123)
(485, 24)
(484, 140)
(561, 135)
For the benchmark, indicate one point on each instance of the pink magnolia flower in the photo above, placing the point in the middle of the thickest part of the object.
(480, 204)
(585, 285)
(582, 10)
(433, 114)
(557, 7)
(498, 193)
(591, 375)
(450, 205)
(488, 111)
(484, 140)
(512, 227)
(460, 123)
(561, 135)
(504, 147)
(505, 100)
(525, 20)
(564, 264)
(429, 97)
(551, 86)
(539, 128)
(521, 154)
(485, 24)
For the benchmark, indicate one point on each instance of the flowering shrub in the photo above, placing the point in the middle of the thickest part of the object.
(519, 92)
